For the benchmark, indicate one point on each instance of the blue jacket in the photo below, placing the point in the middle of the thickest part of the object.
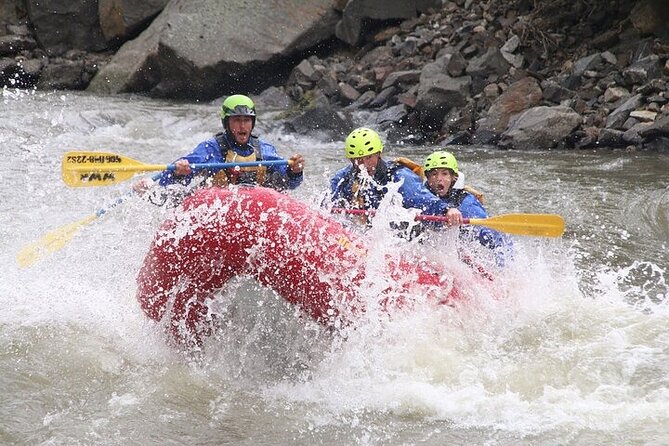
(471, 207)
(210, 151)
(413, 191)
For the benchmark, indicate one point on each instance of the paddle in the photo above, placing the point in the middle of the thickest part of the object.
(84, 169)
(54, 240)
(541, 225)
(81, 169)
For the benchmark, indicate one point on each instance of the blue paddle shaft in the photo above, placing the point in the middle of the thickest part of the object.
(218, 166)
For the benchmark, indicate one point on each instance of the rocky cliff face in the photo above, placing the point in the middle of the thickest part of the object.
(516, 73)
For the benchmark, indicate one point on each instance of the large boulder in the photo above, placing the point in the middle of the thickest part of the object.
(63, 25)
(540, 128)
(122, 19)
(358, 13)
(521, 95)
(651, 16)
(203, 49)
(321, 120)
(438, 93)
(11, 11)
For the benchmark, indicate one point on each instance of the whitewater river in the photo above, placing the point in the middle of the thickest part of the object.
(572, 346)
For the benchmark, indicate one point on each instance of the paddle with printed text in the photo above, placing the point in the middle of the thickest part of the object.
(85, 169)
(540, 225)
(82, 169)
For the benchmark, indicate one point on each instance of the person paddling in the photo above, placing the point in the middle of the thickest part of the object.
(237, 144)
(364, 183)
(442, 172)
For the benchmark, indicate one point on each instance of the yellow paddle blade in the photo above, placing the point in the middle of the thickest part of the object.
(85, 169)
(542, 225)
(50, 242)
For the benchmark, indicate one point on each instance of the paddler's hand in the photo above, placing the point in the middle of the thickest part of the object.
(182, 167)
(141, 186)
(453, 217)
(296, 163)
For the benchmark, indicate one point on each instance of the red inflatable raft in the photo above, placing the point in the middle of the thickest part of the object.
(303, 255)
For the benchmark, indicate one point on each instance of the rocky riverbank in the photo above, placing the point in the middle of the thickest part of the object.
(514, 73)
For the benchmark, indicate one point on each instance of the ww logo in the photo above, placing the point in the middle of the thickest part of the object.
(96, 176)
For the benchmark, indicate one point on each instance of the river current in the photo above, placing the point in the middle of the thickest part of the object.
(575, 352)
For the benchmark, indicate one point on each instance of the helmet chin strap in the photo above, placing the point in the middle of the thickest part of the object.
(460, 182)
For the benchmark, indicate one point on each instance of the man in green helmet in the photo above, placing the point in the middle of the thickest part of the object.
(363, 183)
(237, 144)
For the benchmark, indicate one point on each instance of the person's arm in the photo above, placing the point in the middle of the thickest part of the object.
(295, 171)
(203, 153)
(502, 245)
(471, 207)
(416, 195)
(291, 175)
(338, 194)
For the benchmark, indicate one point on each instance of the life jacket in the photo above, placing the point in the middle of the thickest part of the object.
(239, 175)
(418, 170)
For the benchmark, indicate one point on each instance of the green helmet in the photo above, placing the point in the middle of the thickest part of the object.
(362, 142)
(441, 160)
(238, 105)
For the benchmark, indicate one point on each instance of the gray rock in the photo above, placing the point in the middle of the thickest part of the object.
(611, 138)
(121, 19)
(170, 59)
(457, 64)
(643, 70)
(556, 93)
(491, 61)
(273, 98)
(10, 10)
(347, 93)
(14, 44)
(633, 135)
(357, 12)
(63, 74)
(438, 93)
(405, 77)
(323, 120)
(61, 25)
(650, 16)
(394, 114)
(587, 63)
(656, 129)
(304, 75)
(540, 128)
(659, 144)
(618, 116)
(519, 96)
(383, 97)
(364, 100)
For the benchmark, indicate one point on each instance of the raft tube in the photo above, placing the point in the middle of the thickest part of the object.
(302, 254)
